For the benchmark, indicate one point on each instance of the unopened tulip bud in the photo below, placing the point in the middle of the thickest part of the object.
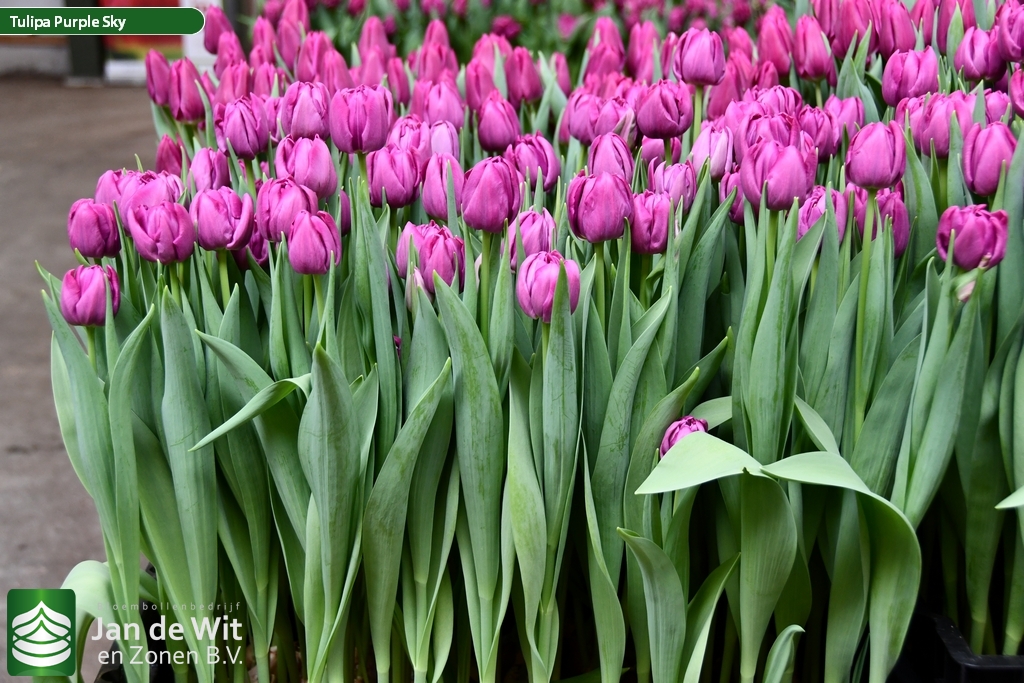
(609, 154)
(439, 169)
(775, 41)
(910, 74)
(980, 236)
(537, 279)
(978, 56)
(393, 176)
(437, 251)
(277, 203)
(311, 56)
(598, 206)
(877, 157)
(848, 113)
(360, 119)
(313, 243)
(309, 162)
(216, 25)
(892, 211)
(894, 27)
(163, 232)
(714, 145)
(158, 78)
(781, 171)
(209, 170)
(730, 182)
(522, 78)
(536, 231)
(811, 51)
(83, 295)
(947, 8)
(498, 123)
(149, 189)
(987, 152)
(664, 111)
(680, 429)
(820, 126)
(700, 58)
(490, 195)
(535, 158)
(223, 219)
(168, 156)
(243, 124)
(479, 83)
(398, 81)
(184, 100)
(92, 229)
(438, 101)
(816, 206)
(649, 227)
(229, 53)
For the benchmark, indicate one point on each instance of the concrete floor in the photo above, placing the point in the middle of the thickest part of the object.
(54, 143)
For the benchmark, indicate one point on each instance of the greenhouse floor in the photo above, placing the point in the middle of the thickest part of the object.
(55, 142)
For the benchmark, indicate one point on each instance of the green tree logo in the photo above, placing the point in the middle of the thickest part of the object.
(41, 632)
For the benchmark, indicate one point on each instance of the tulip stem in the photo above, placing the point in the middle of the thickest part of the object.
(250, 177)
(307, 300)
(859, 390)
(645, 271)
(90, 345)
(485, 283)
(222, 267)
(599, 282)
(172, 275)
(698, 110)
(545, 335)
(318, 290)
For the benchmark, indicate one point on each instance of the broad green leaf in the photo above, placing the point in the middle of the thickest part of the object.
(1014, 500)
(696, 459)
(816, 428)
(780, 657)
(699, 618)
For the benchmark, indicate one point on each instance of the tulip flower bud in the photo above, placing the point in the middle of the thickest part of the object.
(430, 61)
(83, 295)
(371, 71)
(664, 111)
(149, 189)
(435, 185)
(234, 84)
(498, 123)
(643, 42)
(700, 58)
(1017, 92)
(986, 153)
(996, 105)
(313, 243)
(598, 206)
(537, 279)
(782, 168)
(848, 113)
(946, 10)
(216, 24)
(223, 219)
(649, 227)
(92, 229)
(605, 59)
(243, 124)
(855, 19)
(775, 40)
(162, 232)
(535, 230)
(479, 83)
(910, 74)
(652, 150)
(782, 128)
(580, 115)
(183, 98)
(609, 154)
(264, 36)
(311, 56)
(679, 429)
(304, 110)
(678, 181)
(892, 209)
(730, 182)
(258, 247)
(373, 36)
(535, 158)
(816, 206)
(309, 162)
(393, 176)
(490, 195)
(437, 251)
(767, 76)
(409, 132)
(209, 170)
(811, 51)
(158, 78)
(895, 28)
(398, 81)
(435, 102)
(877, 157)
(522, 78)
(229, 53)
(932, 126)
(714, 145)
(277, 203)
(978, 56)
(168, 156)
(616, 116)
(110, 185)
(1009, 33)
(561, 68)
(820, 126)
(289, 39)
(360, 119)
(980, 236)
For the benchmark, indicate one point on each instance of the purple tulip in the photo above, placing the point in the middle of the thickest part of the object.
(782, 128)
(784, 168)
(234, 83)
(649, 227)
(730, 182)
(398, 81)
(147, 189)
(479, 83)
(374, 36)
(162, 232)
(816, 206)
(83, 295)
(223, 219)
(309, 162)
(877, 157)
(216, 24)
(598, 206)
(437, 251)
(311, 56)
(605, 59)
(277, 203)
(490, 195)
(409, 132)
(498, 123)
(1009, 32)
(680, 429)
(980, 236)
(848, 113)
(360, 119)
(609, 154)
(996, 105)
(714, 145)
(891, 208)
(439, 101)
(811, 53)
(522, 78)
(535, 158)
(110, 185)
(946, 10)
(561, 68)
(431, 60)
(304, 110)
(678, 181)
(183, 93)
(820, 126)
(665, 110)
(932, 126)
(229, 53)
(393, 174)
(243, 125)
(314, 241)
(209, 169)
(775, 40)
(168, 156)
(615, 115)
(894, 27)
(1017, 92)
(264, 37)
(537, 279)
(435, 185)
(535, 230)
(855, 17)
(643, 42)
(986, 153)
(92, 229)
(653, 150)
(910, 74)
(158, 78)
(700, 58)
(580, 115)
(978, 56)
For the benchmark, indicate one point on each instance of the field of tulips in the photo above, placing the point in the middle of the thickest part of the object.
(687, 359)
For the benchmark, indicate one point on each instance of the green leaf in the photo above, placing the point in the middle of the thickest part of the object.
(699, 616)
(780, 657)
(816, 428)
(696, 459)
(1014, 500)
(267, 398)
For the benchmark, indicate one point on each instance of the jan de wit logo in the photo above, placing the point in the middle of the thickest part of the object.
(41, 632)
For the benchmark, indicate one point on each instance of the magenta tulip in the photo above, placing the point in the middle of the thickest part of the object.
(811, 51)
(163, 232)
(609, 154)
(816, 207)
(147, 189)
(313, 243)
(183, 93)
(309, 162)
(536, 231)
(665, 110)
(535, 158)
(438, 170)
(223, 219)
(158, 78)
(437, 251)
(360, 119)
(700, 58)
(92, 229)
(987, 152)
(393, 176)
(209, 170)
(784, 169)
(649, 227)
(820, 126)
(894, 27)
(910, 74)
(679, 430)
(537, 279)
(490, 195)
(598, 206)
(243, 124)
(522, 78)
(775, 40)
(498, 125)
(642, 51)
(83, 295)
(877, 157)
(277, 203)
(168, 156)
(980, 236)
(678, 181)
(714, 145)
